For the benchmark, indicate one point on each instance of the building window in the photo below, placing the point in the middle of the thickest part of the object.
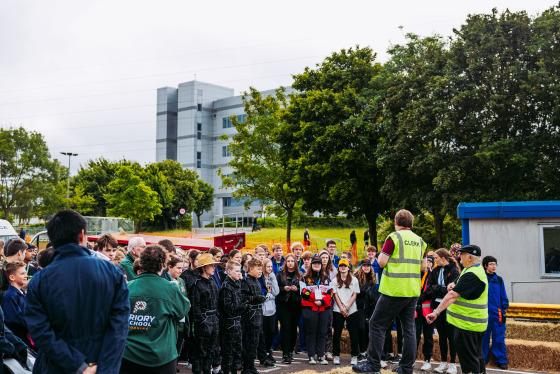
(198, 160)
(199, 131)
(226, 152)
(550, 250)
(199, 107)
(226, 123)
(227, 201)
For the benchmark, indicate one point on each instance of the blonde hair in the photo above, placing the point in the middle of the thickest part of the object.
(275, 246)
(297, 245)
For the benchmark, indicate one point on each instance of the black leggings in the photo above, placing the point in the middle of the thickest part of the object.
(363, 331)
(445, 332)
(129, 367)
(288, 315)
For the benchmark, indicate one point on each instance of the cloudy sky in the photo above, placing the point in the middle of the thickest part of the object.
(85, 73)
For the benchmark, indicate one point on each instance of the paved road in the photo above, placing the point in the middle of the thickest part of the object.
(301, 364)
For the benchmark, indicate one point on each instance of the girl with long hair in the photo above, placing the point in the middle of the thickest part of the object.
(288, 306)
(330, 272)
(447, 271)
(366, 279)
(316, 294)
(345, 290)
(269, 306)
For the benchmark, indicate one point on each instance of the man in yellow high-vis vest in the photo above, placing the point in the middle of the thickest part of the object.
(467, 310)
(403, 257)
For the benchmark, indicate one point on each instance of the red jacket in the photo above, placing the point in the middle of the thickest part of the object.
(308, 285)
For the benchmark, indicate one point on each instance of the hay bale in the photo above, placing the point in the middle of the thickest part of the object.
(535, 331)
(340, 370)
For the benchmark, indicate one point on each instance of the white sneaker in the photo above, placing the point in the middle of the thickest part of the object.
(336, 360)
(354, 360)
(312, 361)
(441, 368)
(383, 364)
(426, 366)
(322, 361)
(452, 369)
(329, 356)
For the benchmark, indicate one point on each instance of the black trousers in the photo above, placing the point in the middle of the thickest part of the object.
(469, 349)
(251, 325)
(352, 325)
(129, 367)
(363, 329)
(316, 324)
(446, 339)
(288, 315)
(269, 323)
(422, 326)
(230, 341)
(205, 343)
(387, 308)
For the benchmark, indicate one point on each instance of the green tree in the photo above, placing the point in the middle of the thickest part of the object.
(204, 199)
(182, 183)
(129, 197)
(94, 179)
(260, 169)
(26, 168)
(157, 181)
(331, 144)
(418, 154)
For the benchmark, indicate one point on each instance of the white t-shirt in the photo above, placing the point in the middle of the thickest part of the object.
(344, 294)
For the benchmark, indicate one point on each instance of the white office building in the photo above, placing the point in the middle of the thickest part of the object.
(190, 120)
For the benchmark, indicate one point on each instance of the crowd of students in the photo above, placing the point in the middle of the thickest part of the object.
(220, 312)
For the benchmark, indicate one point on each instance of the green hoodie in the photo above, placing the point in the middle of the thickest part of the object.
(126, 264)
(156, 305)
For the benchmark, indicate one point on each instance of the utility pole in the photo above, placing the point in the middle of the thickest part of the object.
(69, 154)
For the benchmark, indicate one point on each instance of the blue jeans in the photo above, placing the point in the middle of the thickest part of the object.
(387, 308)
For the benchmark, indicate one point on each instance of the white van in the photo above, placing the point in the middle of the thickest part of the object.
(7, 231)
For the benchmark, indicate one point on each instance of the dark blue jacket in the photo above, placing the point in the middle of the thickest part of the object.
(498, 301)
(77, 312)
(8, 341)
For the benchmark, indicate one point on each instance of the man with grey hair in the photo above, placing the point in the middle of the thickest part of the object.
(135, 247)
(467, 310)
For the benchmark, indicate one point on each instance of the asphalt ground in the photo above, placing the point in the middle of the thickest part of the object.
(301, 364)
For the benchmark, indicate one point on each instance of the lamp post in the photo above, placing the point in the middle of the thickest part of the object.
(69, 154)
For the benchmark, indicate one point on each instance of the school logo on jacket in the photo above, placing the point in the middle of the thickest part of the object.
(139, 321)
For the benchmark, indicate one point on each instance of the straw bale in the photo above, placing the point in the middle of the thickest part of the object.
(340, 370)
(536, 331)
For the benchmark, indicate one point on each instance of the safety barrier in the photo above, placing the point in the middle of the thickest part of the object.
(550, 312)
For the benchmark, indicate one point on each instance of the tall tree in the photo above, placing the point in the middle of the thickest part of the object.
(129, 197)
(156, 180)
(260, 170)
(204, 199)
(331, 145)
(417, 153)
(182, 183)
(94, 179)
(26, 168)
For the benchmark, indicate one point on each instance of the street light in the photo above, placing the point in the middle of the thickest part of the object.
(69, 154)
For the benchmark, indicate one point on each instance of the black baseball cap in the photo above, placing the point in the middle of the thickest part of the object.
(364, 262)
(472, 249)
(316, 260)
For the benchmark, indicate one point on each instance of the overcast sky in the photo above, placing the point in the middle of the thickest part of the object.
(85, 73)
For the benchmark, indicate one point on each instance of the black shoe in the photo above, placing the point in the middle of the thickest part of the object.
(286, 359)
(364, 367)
(268, 364)
(396, 359)
(297, 351)
(387, 357)
(397, 369)
(254, 371)
(503, 366)
(270, 358)
(362, 357)
(291, 357)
